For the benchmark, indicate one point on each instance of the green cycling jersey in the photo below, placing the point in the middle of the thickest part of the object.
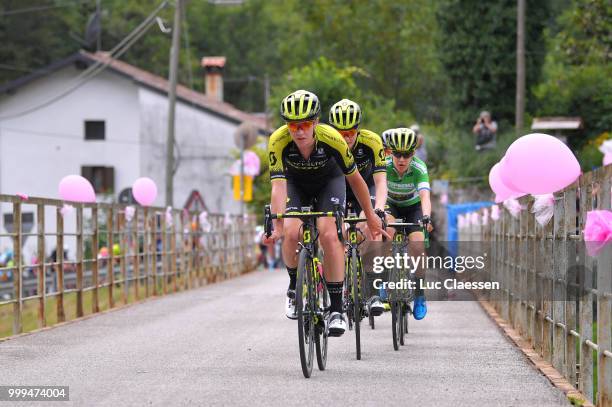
(404, 190)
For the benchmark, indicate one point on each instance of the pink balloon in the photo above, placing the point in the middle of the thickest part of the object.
(607, 160)
(77, 189)
(144, 191)
(502, 191)
(508, 180)
(539, 164)
(251, 163)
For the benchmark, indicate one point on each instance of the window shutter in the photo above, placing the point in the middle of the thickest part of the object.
(109, 179)
(87, 173)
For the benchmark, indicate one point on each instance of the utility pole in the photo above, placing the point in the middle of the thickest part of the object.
(520, 67)
(99, 13)
(174, 58)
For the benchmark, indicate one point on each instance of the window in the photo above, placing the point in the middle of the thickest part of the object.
(95, 129)
(102, 178)
(27, 222)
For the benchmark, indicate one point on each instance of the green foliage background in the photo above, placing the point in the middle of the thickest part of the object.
(437, 63)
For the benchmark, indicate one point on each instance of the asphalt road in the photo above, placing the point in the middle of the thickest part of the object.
(230, 344)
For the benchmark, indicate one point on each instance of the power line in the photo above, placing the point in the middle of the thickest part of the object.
(98, 66)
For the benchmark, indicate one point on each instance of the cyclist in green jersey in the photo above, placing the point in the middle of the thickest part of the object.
(367, 148)
(409, 196)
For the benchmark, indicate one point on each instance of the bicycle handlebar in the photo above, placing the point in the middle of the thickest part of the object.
(269, 216)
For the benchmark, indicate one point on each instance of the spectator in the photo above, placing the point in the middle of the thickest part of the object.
(485, 130)
(421, 151)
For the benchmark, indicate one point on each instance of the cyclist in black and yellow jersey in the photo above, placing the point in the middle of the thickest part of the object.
(310, 161)
(367, 148)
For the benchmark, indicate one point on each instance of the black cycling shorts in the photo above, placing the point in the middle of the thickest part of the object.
(353, 204)
(322, 197)
(408, 214)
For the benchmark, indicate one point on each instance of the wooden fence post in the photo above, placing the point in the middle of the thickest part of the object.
(573, 289)
(559, 288)
(110, 273)
(17, 270)
(146, 250)
(121, 230)
(42, 267)
(79, 259)
(136, 256)
(61, 316)
(95, 301)
(604, 302)
(586, 379)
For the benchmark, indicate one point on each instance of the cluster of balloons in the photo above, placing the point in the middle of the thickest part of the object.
(78, 189)
(534, 164)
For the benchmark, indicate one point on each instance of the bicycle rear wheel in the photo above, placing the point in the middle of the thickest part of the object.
(305, 306)
(321, 337)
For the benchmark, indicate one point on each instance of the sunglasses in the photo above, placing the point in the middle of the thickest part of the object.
(348, 133)
(399, 154)
(305, 125)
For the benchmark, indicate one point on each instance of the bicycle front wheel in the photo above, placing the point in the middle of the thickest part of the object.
(321, 337)
(355, 271)
(305, 306)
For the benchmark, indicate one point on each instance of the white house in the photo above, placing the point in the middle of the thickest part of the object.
(112, 130)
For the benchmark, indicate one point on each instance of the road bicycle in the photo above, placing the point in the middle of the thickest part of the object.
(354, 281)
(401, 299)
(312, 299)
(355, 292)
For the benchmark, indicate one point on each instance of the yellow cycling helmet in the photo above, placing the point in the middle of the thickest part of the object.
(345, 115)
(401, 140)
(300, 105)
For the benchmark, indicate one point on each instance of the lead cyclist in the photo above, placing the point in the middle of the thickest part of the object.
(310, 161)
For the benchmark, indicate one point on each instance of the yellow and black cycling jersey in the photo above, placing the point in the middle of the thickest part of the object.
(331, 156)
(369, 155)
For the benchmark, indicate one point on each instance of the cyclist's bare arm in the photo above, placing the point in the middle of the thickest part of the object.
(362, 194)
(425, 196)
(278, 202)
(380, 185)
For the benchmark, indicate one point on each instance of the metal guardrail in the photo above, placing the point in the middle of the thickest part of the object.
(559, 326)
(158, 253)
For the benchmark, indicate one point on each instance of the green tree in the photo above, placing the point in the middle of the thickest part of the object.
(393, 43)
(331, 83)
(33, 39)
(577, 78)
(477, 46)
